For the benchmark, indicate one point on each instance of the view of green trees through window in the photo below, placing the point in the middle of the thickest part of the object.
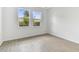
(36, 18)
(23, 16)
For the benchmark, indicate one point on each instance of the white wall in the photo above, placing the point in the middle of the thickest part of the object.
(1, 37)
(64, 22)
(0, 24)
(11, 29)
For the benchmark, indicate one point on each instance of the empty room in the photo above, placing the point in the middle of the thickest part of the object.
(39, 29)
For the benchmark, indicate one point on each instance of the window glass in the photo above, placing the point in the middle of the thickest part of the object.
(36, 18)
(23, 17)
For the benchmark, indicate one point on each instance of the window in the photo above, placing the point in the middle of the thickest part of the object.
(36, 18)
(23, 17)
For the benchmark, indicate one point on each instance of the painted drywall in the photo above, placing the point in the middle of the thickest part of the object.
(0, 24)
(64, 23)
(11, 29)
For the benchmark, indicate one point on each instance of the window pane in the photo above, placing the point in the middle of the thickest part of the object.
(36, 18)
(23, 17)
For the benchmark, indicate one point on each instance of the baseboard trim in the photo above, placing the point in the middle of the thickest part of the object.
(55, 35)
(29, 37)
(1, 43)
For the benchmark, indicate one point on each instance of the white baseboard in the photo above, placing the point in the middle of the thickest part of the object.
(24, 36)
(65, 38)
(1, 43)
